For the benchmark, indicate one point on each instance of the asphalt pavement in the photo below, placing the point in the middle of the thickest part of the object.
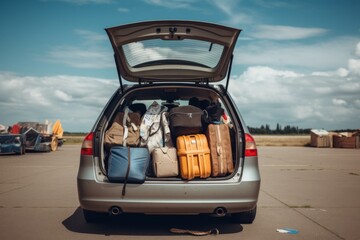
(314, 191)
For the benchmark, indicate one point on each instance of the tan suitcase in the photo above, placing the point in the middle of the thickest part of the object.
(194, 156)
(218, 136)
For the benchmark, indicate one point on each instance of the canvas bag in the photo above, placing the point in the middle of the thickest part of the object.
(165, 162)
(164, 159)
(115, 134)
(128, 165)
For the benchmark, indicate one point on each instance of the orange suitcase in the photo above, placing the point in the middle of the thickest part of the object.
(194, 156)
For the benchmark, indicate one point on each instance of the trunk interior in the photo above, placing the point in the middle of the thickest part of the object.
(139, 100)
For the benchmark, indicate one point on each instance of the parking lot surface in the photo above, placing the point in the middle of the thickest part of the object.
(312, 190)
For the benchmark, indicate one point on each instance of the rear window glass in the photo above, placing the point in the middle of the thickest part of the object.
(185, 52)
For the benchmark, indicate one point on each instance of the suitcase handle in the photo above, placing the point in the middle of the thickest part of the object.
(190, 166)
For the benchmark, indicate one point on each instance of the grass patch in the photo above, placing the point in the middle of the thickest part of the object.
(282, 140)
(73, 139)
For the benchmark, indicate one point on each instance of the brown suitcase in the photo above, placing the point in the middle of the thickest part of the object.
(194, 156)
(218, 136)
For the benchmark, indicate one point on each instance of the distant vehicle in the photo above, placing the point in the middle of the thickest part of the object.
(32, 136)
(12, 143)
(40, 136)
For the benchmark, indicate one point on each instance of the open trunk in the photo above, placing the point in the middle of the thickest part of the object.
(170, 96)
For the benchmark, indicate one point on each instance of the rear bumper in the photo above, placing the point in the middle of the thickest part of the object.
(177, 197)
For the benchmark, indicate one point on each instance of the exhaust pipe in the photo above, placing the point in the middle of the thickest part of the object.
(115, 211)
(220, 212)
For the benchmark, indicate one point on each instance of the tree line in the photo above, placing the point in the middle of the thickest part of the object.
(288, 129)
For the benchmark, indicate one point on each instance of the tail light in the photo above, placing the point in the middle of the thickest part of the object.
(87, 145)
(250, 146)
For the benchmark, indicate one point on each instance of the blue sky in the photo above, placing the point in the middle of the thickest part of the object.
(296, 62)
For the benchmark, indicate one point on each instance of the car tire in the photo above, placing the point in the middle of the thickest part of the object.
(54, 144)
(21, 152)
(244, 217)
(94, 217)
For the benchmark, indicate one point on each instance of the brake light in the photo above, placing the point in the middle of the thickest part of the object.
(250, 146)
(87, 145)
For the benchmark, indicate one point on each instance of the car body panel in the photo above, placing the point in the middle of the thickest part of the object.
(12, 143)
(182, 52)
(168, 197)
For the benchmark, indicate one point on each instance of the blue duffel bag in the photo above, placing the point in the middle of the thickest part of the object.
(128, 165)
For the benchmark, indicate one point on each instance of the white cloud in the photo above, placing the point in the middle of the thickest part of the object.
(34, 95)
(62, 96)
(123, 10)
(75, 101)
(339, 102)
(89, 54)
(354, 66)
(279, 32)
(267, 95)
(302, 112)
(231, 8)
(172, 4)
(341, 72)
(316, 57)
(91, 36)
(82, 2)
(274, 4)
(82, 58)
(357, 103)
(266, 74)
(357, 49)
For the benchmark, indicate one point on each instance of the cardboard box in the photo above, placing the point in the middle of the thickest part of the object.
(319, 138)
(347, 140)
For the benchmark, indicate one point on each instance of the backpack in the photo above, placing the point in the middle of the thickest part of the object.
(154, 128)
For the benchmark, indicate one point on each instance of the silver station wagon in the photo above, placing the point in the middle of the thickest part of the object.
(171, 62)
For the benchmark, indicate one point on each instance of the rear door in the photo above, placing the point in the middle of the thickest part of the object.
(168, 51)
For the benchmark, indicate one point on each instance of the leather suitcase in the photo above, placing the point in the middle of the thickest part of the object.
(194, 156)
(218, 136)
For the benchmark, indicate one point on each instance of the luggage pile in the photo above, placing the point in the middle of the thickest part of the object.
(142, 144)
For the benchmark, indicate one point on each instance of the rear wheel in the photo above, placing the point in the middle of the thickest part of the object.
(94, 217)
(54, 144)
(244, 217)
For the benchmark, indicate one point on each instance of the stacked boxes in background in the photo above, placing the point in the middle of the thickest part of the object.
(319, 138)
(347, 140)
(323, 138)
